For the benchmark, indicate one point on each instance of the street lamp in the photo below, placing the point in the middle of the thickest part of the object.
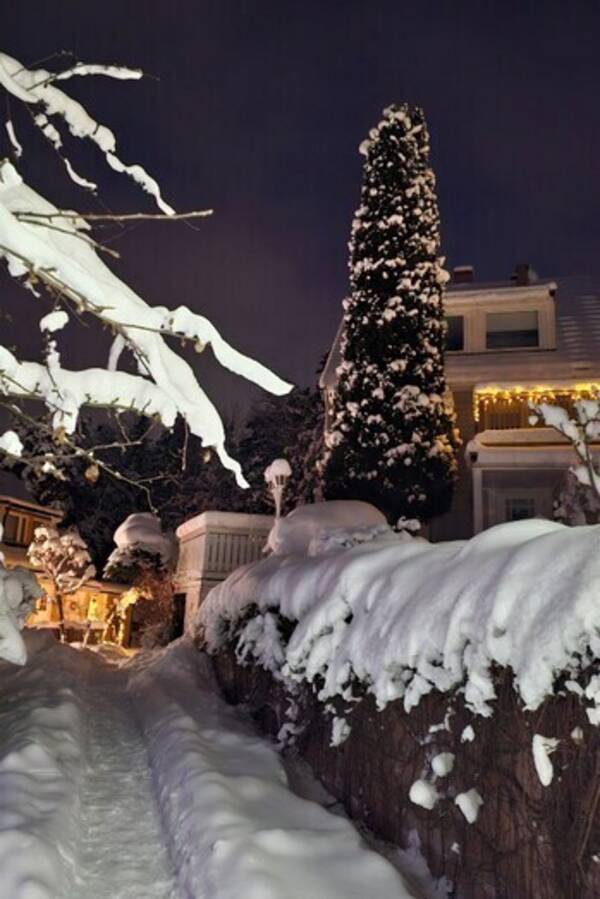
(276, 475)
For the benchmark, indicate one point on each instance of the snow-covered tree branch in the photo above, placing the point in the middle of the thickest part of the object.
(581, 430)
(45, 246)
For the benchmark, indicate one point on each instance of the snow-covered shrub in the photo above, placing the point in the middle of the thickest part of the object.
(582, 431)
(576, 503)
(404, 617)
(19, 590)
(140, 542)
(46, 247)
(64, 560)
(145, 557)
(314, 523)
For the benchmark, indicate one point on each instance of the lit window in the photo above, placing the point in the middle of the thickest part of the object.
(454, 333)
(511, 329)
(517, 508)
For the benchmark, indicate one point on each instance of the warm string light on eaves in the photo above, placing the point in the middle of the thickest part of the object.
(485, 397)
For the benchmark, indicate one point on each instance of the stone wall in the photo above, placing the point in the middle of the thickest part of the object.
(528, 842)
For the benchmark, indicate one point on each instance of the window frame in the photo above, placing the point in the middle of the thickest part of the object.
(508, 312)
(462, 317)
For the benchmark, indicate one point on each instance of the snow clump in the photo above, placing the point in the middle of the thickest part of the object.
(469, 803)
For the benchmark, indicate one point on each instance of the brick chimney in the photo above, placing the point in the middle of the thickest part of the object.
(463, 274)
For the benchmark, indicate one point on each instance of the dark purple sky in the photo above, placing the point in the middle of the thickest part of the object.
(259, 111)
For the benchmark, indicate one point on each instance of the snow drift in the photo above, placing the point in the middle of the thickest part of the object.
(236, 829)
(41, 772)
(404, 617)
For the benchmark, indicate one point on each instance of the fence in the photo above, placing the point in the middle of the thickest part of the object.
(211, 546)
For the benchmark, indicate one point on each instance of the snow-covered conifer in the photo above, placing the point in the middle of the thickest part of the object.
(391, 436)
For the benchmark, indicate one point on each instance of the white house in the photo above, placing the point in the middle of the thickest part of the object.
(510, 342)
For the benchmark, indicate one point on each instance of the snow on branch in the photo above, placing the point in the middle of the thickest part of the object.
(64, 392)
(35, 87)
(582, 430)
(44, 245)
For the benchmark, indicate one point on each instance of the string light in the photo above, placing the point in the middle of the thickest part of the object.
(486, 396)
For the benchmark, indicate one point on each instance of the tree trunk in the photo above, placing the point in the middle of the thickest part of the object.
(61, 615)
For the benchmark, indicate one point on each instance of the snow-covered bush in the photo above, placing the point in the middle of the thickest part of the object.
(576, 503)
(65, 562)
(145, 557)
(307, 527)
(141, 537)
(403, 617)
(55, 249)
(582, 430)
(19, 590)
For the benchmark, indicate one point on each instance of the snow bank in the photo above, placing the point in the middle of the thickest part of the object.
(19, 590)
(294, 534)
(41, 770)
(405, 617)
(236, 828)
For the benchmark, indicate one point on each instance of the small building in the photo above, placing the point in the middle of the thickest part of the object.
(88, 609)
(211, 546)
(509, 343)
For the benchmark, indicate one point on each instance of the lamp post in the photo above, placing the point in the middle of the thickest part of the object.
(276, 475)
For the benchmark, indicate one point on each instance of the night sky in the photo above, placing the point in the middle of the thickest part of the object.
(258, 112)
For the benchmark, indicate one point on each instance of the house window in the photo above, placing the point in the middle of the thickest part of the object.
(508, 330)
(15, 529)
(455, 341)
(516, 508)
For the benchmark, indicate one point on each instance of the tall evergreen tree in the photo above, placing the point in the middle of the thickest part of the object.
(391, 437)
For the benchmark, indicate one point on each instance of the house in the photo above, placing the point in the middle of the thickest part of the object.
(510, 342)
(91, 606)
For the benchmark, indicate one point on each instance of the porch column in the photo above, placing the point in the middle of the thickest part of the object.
(477, 499)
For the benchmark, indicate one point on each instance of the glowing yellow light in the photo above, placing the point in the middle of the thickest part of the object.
(489, 395)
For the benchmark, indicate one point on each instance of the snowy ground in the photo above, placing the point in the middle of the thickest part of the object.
(138, 782)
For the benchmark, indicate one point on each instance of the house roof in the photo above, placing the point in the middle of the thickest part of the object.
(27, 505)
(577, 353)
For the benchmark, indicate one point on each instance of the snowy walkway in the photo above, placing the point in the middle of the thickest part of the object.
(123, 850)
(140, 783)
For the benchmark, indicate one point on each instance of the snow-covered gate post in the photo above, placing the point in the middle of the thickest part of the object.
(211, 546)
